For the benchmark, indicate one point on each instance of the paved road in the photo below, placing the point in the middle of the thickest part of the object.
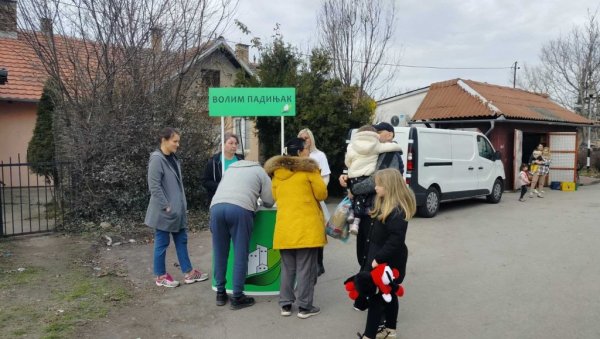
(511, 270)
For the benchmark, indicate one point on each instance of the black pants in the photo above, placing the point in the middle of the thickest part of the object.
(523, 191)
(378, 308)
(320, 258)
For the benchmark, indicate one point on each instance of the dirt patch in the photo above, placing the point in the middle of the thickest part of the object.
(52, 285)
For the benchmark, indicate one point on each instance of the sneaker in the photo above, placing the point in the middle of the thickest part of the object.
(286, 310)
(221, 298)
(304, 313)
(241, 302)
(535, 191)
(195, 276)
(531, 195)
(386, 333)
(540, 195)
(166, 280)
(542, 191)
(521, 199)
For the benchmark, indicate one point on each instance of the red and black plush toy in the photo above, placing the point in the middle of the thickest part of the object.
(364, 285)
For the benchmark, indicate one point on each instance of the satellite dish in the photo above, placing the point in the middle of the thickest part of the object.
(395, 121)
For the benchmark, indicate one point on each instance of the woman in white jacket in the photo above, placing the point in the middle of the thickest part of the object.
(361, 160)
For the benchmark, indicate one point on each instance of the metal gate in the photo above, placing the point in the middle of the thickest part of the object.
(29, 203)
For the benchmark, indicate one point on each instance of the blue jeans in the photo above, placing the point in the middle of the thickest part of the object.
(161, 242)
(230, 223)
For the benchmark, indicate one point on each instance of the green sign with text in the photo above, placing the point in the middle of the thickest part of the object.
(251, 102)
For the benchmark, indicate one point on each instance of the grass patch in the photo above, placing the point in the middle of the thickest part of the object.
(84, 299)
(50, 302)
(12, 277)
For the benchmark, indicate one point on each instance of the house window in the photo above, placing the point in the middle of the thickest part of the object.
(211, 78)
(241, 128)
(485, 149)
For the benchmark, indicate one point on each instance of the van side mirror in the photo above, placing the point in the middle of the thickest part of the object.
(497, 156)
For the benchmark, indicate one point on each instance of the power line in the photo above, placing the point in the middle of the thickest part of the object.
(407, 65)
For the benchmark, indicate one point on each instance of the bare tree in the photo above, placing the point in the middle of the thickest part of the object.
(125, 69)
(357, 34)
(569, 69)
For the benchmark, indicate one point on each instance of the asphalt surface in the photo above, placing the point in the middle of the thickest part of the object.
(476, 270)
(511, 270)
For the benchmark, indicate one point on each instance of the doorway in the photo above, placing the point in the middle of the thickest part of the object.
(530, 142)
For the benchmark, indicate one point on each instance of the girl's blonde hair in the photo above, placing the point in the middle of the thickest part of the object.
(397, 194)
(546, 153)
(313, 146)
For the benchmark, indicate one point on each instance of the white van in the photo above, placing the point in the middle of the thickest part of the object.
(442, 165)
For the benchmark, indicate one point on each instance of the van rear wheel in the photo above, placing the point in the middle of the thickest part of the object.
(432, 203)
(496, 194)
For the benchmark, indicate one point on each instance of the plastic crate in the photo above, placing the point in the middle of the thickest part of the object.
(567, 186)
(555, 185)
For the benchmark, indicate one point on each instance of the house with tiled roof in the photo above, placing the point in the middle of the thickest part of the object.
(20, 94)
(514, 120)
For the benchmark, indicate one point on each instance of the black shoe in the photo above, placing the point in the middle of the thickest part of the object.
(241, 302)
(304, 313)
(286, 310)
(221, 298)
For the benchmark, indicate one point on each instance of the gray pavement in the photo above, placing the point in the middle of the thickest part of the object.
(512, 270)
(476, 270)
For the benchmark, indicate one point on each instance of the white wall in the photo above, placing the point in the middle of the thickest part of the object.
(404, 106)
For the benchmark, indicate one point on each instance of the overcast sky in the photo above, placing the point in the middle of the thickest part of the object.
(440, 33)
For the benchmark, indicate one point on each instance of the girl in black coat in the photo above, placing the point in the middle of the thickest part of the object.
(394, 205)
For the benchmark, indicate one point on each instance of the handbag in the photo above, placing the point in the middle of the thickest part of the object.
(337, 225)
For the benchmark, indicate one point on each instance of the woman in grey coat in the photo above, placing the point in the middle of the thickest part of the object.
(167, 210)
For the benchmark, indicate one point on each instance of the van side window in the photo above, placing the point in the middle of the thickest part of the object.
(484, 147)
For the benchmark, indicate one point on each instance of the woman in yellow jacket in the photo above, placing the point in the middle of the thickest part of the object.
(299, 227)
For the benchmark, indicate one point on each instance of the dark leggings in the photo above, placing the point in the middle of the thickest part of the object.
(377, 308)
(523, 191)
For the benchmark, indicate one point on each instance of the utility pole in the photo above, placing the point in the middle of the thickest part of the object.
(590, 97)
(515, 68)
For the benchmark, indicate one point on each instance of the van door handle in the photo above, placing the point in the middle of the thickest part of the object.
(470, 168)
(480, 167)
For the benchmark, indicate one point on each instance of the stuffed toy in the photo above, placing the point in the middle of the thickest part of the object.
(364, 285)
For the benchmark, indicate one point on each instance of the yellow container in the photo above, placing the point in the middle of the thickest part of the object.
(567, 186)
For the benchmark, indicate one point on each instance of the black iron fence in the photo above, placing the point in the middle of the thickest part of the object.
(30, 203)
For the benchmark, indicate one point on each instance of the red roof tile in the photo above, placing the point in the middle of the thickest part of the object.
(26, 75)
(455, 99)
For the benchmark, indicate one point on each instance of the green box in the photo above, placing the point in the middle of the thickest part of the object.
(264, 262)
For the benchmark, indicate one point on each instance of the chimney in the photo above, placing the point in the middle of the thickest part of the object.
(241, 52)
(46, 26)
(156, 36)
(8, 19)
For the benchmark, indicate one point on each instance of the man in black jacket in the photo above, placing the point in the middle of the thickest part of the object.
(367, 187)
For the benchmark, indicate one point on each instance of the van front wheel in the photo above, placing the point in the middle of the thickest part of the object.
(496, 194)
(432, 203)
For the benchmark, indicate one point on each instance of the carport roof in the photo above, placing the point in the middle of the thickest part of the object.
(460, 99)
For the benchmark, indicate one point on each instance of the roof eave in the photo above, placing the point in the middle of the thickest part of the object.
(19, 99)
